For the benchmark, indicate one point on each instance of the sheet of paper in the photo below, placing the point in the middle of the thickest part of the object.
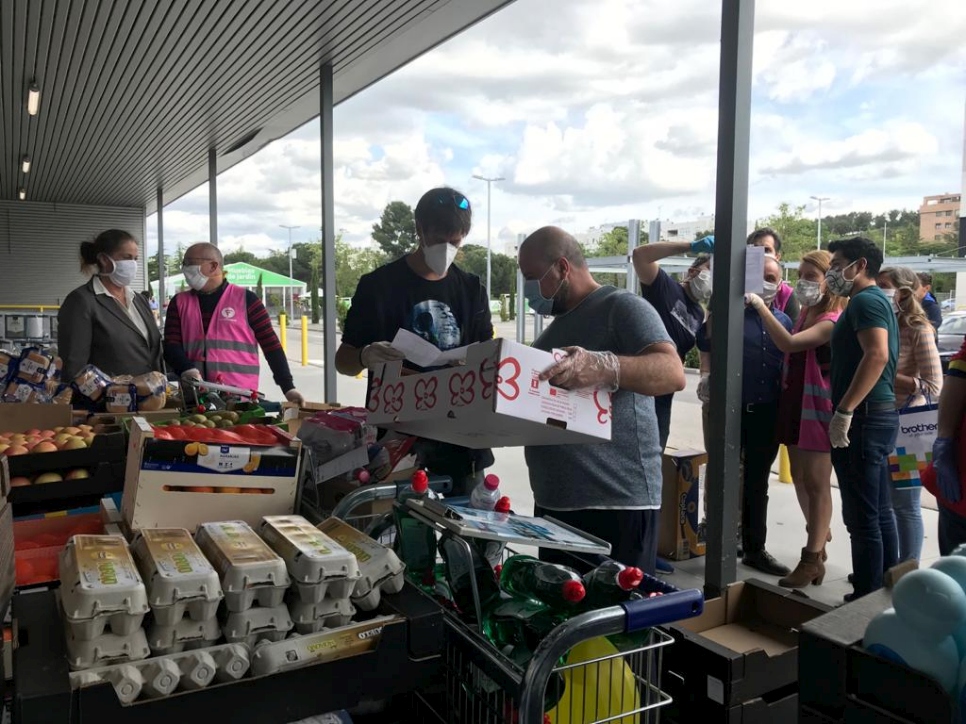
(423, 353)
(754, 269)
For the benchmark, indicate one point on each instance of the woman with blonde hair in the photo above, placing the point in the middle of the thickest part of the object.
(919, 380)
(805, 406)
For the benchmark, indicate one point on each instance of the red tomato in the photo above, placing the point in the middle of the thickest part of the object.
(161, 434)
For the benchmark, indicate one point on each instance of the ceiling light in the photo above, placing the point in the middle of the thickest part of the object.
(33, 99)
(22, 194)
(25, 164)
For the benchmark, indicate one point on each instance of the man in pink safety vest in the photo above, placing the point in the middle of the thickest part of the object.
(213, 331)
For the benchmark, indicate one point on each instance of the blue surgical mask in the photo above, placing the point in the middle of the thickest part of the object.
(539, 303)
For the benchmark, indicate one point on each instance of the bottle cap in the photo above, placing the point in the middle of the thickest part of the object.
(502, 505)
(573, 591)
(492, 482)
(420, 481)
(630, 578)
(363, 476)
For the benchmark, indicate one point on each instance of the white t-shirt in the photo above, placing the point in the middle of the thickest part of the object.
(131, 310)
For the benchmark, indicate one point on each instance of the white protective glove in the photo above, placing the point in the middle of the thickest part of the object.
(294, 395)
(379, 353)
(192, 374)
(838, 428)
(582, 369)
(754, 301)
(704, 388)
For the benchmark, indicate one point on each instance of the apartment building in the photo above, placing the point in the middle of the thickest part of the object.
(938, 216)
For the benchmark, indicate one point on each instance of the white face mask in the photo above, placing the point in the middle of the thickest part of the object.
(809, 293)
(124, 273)
(194, 277)
(701, 285)
(439, 257)
(769, 290)
(891, 294)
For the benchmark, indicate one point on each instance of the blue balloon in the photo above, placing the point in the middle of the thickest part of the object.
(931, 603)
(890, 636)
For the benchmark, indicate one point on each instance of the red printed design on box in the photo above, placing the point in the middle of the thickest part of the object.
(426, 393)
(506, 378)
(461, 387)
(373, 403)
(392, 398)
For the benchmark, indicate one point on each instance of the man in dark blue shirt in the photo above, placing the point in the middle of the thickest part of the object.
(761, 375)
(929, 304)
(677, 303)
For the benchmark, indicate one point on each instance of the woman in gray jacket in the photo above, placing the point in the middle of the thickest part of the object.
(104, 322)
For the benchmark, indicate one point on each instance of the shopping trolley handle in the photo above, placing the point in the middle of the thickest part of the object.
(671, 606)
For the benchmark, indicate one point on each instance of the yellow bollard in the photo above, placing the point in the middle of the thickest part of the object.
(784, 466)
(305, 341)
(283, 331)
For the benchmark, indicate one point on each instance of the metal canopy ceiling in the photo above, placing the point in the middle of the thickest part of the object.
(135, 92)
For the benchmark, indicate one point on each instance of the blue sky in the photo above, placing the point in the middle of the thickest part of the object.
(601, 110)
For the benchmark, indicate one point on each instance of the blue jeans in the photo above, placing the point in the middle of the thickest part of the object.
(862, 470)
(908, 515)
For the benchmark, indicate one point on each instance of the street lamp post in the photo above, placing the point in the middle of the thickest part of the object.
(489, 273)
(291, 294)
(818, 234)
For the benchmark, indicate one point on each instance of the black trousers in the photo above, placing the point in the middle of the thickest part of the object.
(760, 448)
(952, 530)
(662, 409)
(632, 534)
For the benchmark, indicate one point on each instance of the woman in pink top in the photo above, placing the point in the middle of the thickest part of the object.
(919, 379)
(805, 407)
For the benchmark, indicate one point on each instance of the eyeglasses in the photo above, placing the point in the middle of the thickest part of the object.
(455, 198)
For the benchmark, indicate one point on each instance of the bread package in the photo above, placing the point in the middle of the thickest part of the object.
(151, 391)
(35, 365)
(8, 366)
(91, 383)
(19, 391)
(121, 397)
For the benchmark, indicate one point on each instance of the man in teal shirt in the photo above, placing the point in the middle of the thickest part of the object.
(865, 350)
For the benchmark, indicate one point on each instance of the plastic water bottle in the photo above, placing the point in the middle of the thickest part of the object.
(519, 622)
(556, 586)
(416, 541)
(486, 494)
(610, 584)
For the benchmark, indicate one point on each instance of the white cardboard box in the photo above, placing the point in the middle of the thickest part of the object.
(167, 488)
(494, 400)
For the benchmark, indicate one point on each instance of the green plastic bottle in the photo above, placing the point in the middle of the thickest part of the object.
(559, 587)
(415, 541)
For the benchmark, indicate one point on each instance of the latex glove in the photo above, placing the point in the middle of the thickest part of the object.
(838, 429)
(192, 374)
(944, 454)
(704, 388)
(294, 395)
(704, 245)
(754, 301)
(379, 353)
(582, 369)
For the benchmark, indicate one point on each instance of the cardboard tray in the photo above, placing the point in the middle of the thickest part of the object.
(407, 658)
(106, 447)
(105, 478)
(743, 647)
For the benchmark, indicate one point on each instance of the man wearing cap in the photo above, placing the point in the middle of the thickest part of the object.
(426, 294)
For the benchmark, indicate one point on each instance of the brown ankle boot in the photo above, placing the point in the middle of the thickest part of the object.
(809, 570)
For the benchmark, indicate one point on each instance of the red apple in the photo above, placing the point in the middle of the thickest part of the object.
(33, 431)
(19, 481)
(77, 474)
(72, 430)
(74, 443)
(15, 450)
(47, 434)
(44, 447)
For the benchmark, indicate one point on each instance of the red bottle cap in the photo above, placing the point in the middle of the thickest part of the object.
(363, 476)
(630, 578)
(420, 481)
(497, 570)
(491, 482)
(573, 591)
(502, 505)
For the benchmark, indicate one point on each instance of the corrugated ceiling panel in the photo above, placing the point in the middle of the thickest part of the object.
(135, 92)
(40, 246)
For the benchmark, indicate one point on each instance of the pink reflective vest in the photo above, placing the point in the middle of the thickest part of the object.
(228, 353)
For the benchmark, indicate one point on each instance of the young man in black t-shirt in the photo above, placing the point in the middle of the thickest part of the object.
(425, 294)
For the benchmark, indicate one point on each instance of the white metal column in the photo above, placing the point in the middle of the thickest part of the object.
(633, 235)
(213, 196)
(162, 267)
(329, 299)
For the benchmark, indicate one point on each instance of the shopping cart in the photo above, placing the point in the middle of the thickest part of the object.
(600, 666)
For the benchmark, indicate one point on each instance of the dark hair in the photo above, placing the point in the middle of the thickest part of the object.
(107, 242)
(700, 260)
(859, 247)
(925, 278)
(443, 211)
(759, 234)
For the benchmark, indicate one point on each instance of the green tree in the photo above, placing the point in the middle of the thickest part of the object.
(350, 264)
(259, 290)
(503, 268)
(315, 293)
(173, 261)
(240, 255)
(395, 233)
(797, 232)
(613, 243)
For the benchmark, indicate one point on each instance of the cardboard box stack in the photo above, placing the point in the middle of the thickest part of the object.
(682, 505)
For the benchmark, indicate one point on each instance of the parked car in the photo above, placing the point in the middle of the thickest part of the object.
(948, 305)
(950, 336)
